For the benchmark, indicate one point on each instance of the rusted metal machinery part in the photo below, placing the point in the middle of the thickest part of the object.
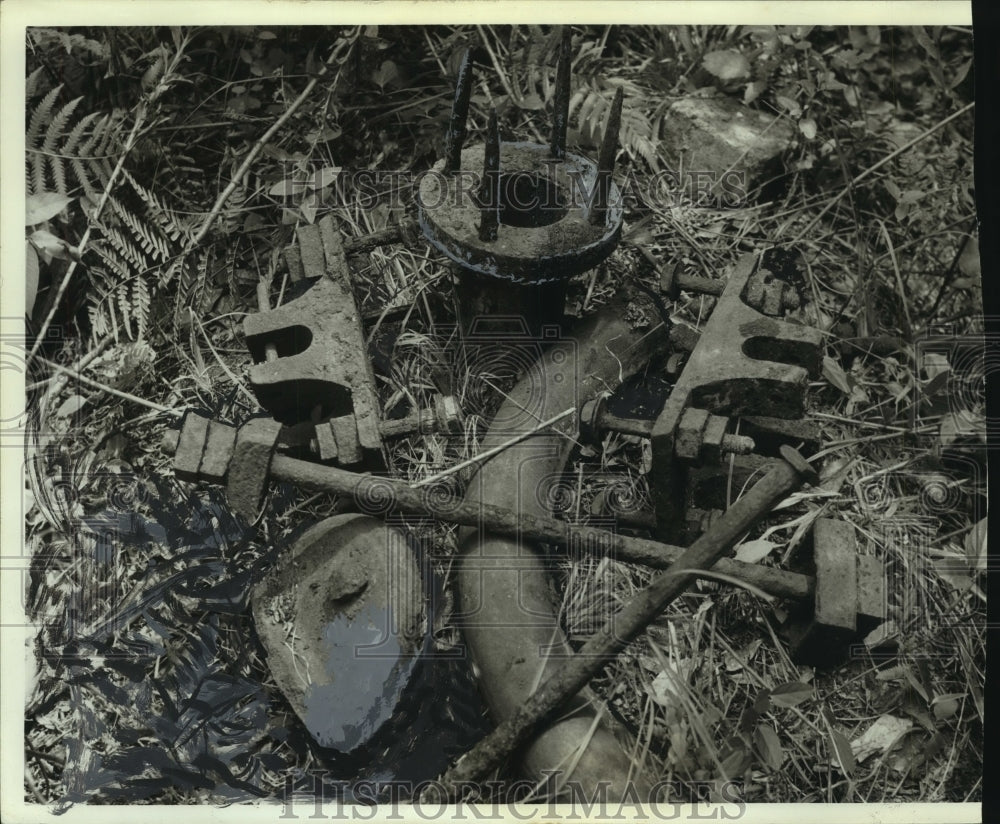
(544, 232)
(536, 216)
(351, 589)
(504, 594)
(841, 604)
(744, 363)
(568, 677)
(205, 450)
(320, 365)
(848, 602)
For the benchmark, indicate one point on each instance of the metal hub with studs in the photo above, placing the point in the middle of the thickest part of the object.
(543, 226)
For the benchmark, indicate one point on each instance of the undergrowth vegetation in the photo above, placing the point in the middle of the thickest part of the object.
(167, 169)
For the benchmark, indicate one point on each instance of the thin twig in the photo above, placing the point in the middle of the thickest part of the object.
(494, 450)
(111, 391)
(871, 169)
(256, 149)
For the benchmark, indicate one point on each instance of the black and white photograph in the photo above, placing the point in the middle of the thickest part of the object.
(465, 411)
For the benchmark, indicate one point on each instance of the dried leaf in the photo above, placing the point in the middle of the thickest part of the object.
(754, 90)
(667, 688)
(751, 552)
(790, 694)
(727, 64)
(532, 102)
(880, 736)
(44, 206)
(962, 424)
(49, 245)
(787, 103)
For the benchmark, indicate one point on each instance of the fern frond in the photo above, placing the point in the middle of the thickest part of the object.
(147, 235)
(31, 83)
(125, 248)
(57, 125)
(41, 115)
(158, 211)
(77, 132)
(124, 307)
(140, 303)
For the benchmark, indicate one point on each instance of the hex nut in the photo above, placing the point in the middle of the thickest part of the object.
(715, 432)
(219, 443)
(345, 432)
(190, 446)
(326, 442)
(688, 441)
(448, 413)
(248, 472)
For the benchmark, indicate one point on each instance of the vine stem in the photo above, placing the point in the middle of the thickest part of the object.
(258, 147)
(875, 167)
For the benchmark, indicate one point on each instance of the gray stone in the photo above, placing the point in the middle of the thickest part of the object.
(718, 134)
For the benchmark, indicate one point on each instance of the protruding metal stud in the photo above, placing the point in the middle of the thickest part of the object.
(459, 115)
(606, 160)
(560, 107)
(489, 192)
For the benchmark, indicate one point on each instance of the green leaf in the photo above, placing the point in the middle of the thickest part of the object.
(30, 277)
(808, 127)
(727, 64)
(386, 75)
(71, 405)
(44, 206)
(751, 552)
(836, 376)
(49, 245)
(975, 547)
(790, 694)
(945, 706)
(842, 754)
(968, 262)
(286, 188)
(768, 745)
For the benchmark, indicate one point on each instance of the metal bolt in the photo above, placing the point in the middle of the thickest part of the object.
(606, 160)
(560, 106)
(595, 420)
(489, 193)
(459, 116)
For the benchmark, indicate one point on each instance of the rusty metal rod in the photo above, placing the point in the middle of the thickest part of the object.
(391, 234)
(605, 421)
(489, 192)
(366, 489)
(459, 116)
(560, 102)
(606, 160)
(643, 608)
